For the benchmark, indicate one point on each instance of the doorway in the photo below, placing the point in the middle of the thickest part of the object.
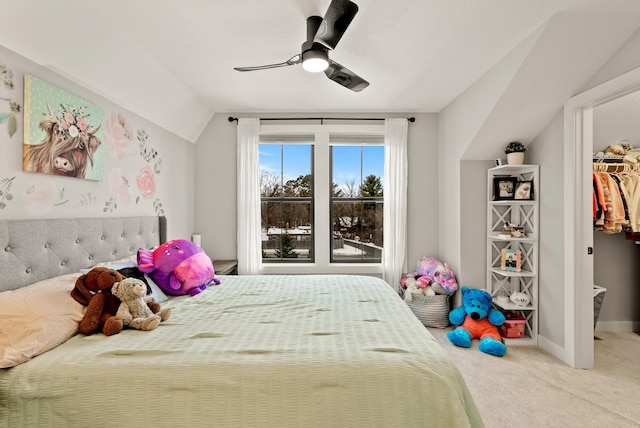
(578, 231)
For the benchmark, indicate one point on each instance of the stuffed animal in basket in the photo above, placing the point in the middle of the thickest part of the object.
(133, 309)
(178, 267)
(432, 272)
(414, 288)
(477, 319)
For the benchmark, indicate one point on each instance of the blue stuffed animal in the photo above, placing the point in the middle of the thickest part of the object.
(477, 319)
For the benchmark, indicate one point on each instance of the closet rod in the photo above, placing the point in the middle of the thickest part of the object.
(321, 119)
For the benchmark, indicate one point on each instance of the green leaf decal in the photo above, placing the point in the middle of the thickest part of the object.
(12, 125)
(5, 116)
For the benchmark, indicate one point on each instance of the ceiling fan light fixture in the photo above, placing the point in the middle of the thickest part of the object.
(315, 61)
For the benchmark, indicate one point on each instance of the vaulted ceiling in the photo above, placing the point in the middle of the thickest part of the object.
(171, 61)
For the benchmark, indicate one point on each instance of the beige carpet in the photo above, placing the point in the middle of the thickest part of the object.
(530, 388)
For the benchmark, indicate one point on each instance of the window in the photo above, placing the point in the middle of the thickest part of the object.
(334, 216)
(312, 182)
(286, 196)
(356, 203)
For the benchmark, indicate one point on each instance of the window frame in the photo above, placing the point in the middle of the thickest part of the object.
(322, 134)
(282, 199)
(359, 142)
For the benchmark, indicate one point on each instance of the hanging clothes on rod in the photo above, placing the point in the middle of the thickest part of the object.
(616, 198)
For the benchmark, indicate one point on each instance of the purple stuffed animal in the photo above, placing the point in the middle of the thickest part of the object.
(178, 267)
(430, 270)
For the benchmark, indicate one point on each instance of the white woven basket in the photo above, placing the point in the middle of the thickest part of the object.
(432, 311)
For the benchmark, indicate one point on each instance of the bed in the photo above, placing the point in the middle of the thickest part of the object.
(254, 351)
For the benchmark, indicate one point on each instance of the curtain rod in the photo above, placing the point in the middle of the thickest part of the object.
(321, 119)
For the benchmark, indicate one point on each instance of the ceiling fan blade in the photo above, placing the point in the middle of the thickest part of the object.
(335, 22)
(296, 59)
(345, 77)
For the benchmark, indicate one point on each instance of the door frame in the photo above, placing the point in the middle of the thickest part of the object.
(578, 223)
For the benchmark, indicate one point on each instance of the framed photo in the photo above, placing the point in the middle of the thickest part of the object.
(510, 260)
(504, 188)
(524, 190)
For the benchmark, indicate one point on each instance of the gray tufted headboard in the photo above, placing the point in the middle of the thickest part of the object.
(33, 250)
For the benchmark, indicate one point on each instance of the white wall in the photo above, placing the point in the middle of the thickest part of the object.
(35, 195)
(216, 184)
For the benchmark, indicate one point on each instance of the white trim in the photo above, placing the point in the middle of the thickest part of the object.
(578, 230)
(618, 326)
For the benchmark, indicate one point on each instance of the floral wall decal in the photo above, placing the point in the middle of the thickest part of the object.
(5, 191)
(110, 206)
(146, 183)
(6, 74)
(119, 135)
(87, 198)
(149, 154)
(40, 197)
(158, 207)
(119, 185)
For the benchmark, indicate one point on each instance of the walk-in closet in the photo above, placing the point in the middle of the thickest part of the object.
(616, 251)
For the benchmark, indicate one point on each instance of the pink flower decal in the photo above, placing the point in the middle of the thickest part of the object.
(40, 196)
(119, 185)
(146, 183)
(119, 135)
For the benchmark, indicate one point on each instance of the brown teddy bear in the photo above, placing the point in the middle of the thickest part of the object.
(93, 290)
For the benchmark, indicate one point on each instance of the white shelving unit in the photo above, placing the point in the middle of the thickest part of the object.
(516, 212)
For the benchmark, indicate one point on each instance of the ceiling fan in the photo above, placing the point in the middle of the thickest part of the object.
(323, 34)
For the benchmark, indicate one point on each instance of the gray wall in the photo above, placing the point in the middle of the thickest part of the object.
(473, 229)
(547, 151)
(35, 195)
(215, 203)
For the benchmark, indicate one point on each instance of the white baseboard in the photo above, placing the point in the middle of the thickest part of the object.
(552, 348)
(618, 326)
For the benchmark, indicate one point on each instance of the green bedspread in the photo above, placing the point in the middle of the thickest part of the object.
(255, 351)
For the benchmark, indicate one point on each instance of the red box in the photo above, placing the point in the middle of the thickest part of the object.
(512, 328)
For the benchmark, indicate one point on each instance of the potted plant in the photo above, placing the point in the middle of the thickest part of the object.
(515, 153)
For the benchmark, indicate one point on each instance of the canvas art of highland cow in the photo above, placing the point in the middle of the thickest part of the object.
(60, 132)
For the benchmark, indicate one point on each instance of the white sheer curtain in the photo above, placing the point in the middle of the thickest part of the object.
(395, 200)
(249, 237)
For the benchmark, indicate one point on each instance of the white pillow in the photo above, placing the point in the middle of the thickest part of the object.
(37, 318)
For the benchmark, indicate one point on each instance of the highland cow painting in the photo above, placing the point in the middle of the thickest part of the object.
(62, 132)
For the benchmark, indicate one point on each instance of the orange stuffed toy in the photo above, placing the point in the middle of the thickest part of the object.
(93, 289)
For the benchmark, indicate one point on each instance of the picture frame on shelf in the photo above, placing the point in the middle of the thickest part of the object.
(524, 190)
(511, 260)
(504, 188)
